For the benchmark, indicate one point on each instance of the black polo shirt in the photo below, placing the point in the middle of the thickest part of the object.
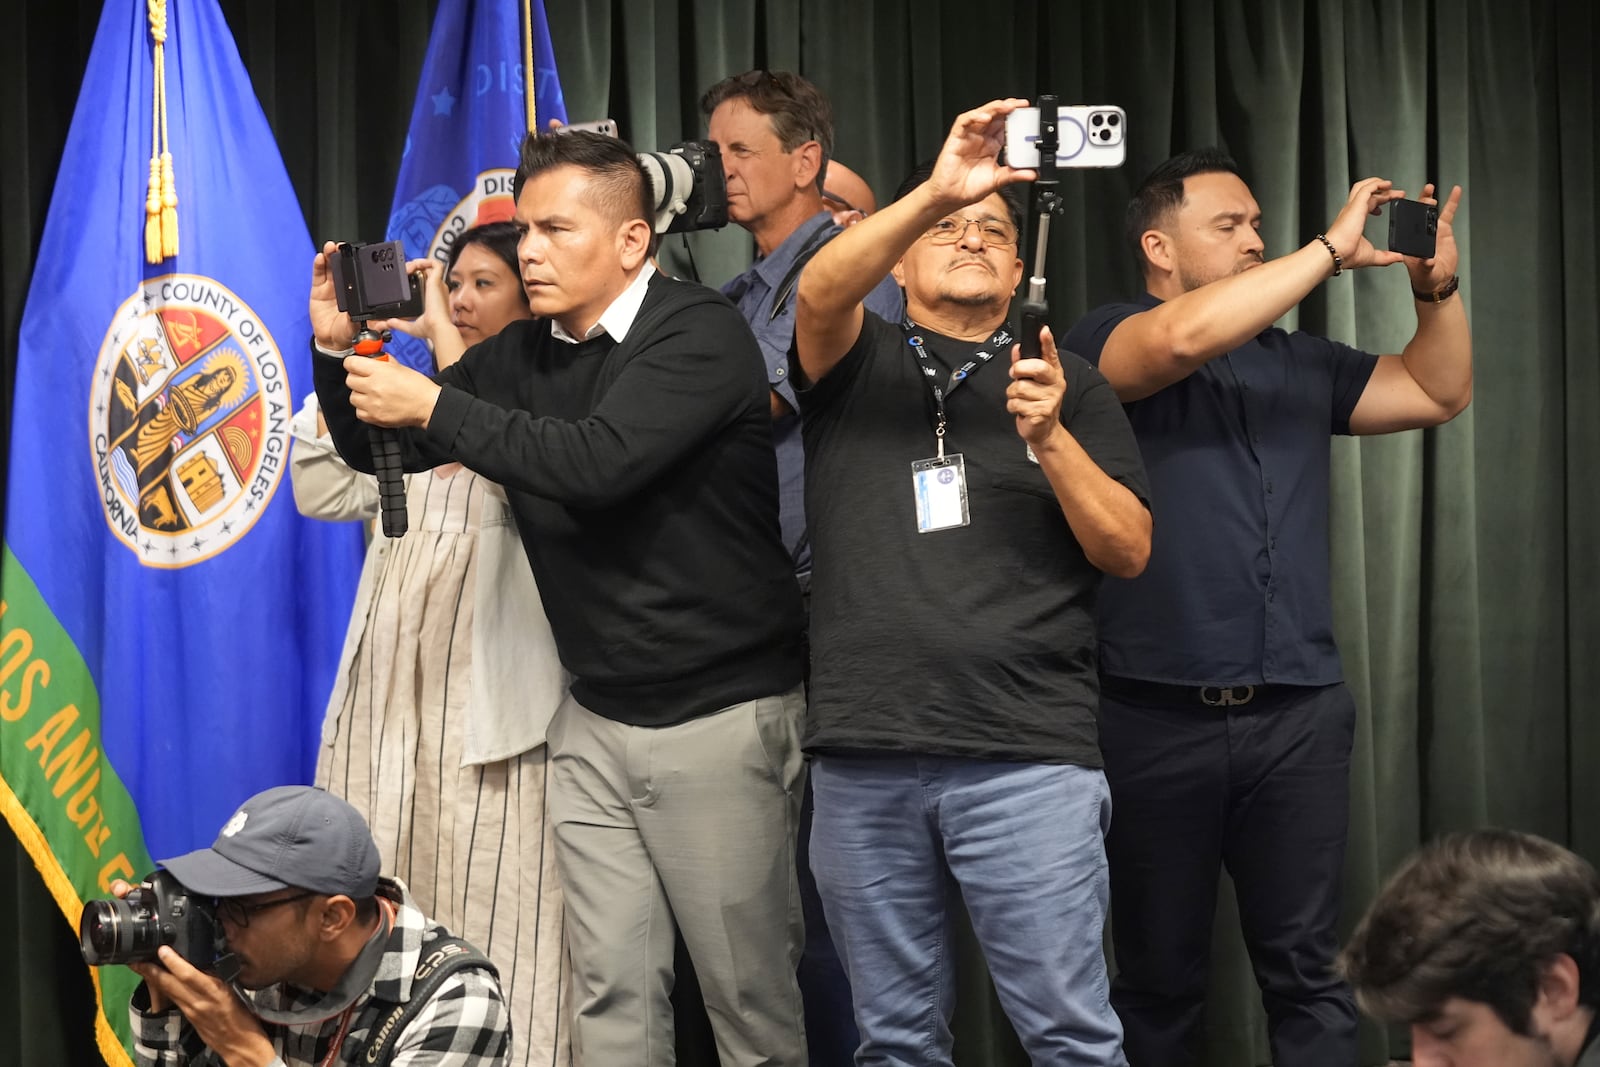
(1238, 453)
(974, 641)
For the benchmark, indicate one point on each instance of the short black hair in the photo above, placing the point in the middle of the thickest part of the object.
(1161, 193)
(1016, 205)
(366, 910)
(797, 109)
(620, 187)
(498, 237)
(1478, 916)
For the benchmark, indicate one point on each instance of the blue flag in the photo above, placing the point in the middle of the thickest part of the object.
(169, 624)
(466, 127)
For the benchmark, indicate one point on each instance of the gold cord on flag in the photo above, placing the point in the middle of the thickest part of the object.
(161, 203)
(527, 66)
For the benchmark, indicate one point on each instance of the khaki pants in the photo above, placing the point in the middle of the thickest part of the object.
(693, 824)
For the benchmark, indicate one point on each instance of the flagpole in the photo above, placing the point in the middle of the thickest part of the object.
(527, 65)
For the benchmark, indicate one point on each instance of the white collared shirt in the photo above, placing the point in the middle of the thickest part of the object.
(617, 319)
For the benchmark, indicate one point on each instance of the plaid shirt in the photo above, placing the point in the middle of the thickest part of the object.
(465, 1025)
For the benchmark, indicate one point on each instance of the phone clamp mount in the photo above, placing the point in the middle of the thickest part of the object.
(371, 283)
(385, 444)
(1047, 201)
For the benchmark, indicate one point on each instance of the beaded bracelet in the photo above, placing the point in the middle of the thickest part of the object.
(1338, 260)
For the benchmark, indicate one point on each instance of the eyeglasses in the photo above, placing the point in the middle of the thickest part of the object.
(843, 204)
(952, 228)
(237, 913)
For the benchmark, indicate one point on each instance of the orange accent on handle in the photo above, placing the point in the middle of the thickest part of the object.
(371, 348)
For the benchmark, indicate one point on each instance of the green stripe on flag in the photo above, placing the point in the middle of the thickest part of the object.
(58, 791)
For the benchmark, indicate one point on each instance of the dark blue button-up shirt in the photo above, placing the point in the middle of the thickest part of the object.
(755, 292)
(1238, 587)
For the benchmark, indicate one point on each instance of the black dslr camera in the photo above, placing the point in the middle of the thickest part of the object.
(159, 911)
(689, 187)
(370, 281)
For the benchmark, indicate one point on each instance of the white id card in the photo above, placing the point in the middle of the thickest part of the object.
(941, 488)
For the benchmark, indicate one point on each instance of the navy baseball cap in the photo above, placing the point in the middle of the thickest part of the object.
(290, 836)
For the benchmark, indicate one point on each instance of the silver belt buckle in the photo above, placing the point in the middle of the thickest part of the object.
(1227, 697)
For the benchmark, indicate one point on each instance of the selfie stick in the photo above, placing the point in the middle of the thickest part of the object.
(386, 463)
(1046, 201)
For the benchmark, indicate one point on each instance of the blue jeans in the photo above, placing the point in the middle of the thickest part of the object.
(1024, 843)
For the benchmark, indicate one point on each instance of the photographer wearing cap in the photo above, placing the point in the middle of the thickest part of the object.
(1487, 944)
(326, 951)
(953, 689)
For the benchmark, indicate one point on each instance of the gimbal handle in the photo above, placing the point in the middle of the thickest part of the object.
(385, 444)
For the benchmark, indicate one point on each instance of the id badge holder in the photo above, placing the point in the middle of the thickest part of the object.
(940, 485)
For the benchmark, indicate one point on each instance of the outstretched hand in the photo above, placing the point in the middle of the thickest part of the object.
(1038, 386)
(331, 327)
(968, 168)
(1347, 233)
(1431, 275)
(435, 317)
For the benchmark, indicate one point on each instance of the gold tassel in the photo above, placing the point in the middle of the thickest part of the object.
(152, 215)
(161, 204)
(169, 208)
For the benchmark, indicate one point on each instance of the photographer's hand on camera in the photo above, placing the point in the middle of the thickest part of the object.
(1433, 275)
(331, 327)
(968, 168)
(218, 1016)
(1347, 233)
(386, 393)
(210, 1005)
(158, 1003)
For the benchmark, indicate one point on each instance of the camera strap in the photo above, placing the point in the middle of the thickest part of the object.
(786, 287)
(442, 958)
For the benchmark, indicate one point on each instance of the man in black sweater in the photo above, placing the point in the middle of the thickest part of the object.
(629, 426)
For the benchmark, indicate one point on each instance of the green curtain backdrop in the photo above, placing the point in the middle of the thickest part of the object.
(1465, 558)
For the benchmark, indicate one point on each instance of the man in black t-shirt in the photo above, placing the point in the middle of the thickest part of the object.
(963, 503)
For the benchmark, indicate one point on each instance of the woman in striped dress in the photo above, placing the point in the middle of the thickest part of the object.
(435, 728)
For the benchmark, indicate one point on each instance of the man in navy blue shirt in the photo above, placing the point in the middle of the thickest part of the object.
(775, 132)
(1225, 724)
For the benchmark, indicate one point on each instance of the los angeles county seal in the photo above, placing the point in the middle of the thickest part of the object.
(437, 216)
(188, 420)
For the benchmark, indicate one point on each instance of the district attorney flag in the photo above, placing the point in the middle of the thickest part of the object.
(170, 625)
(467, 125)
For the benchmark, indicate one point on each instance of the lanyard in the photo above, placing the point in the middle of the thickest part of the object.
(996, 344)
(344, 1020)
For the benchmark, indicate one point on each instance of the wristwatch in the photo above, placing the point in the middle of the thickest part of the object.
(1439, 296)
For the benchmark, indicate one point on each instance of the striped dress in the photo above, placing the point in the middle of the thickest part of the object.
(472, 842)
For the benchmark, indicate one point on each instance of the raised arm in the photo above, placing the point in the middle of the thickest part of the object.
(1191, 327)
(1430, 382)
(828, 302)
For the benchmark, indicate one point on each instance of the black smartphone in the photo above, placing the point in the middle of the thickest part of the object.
(1413, 228)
